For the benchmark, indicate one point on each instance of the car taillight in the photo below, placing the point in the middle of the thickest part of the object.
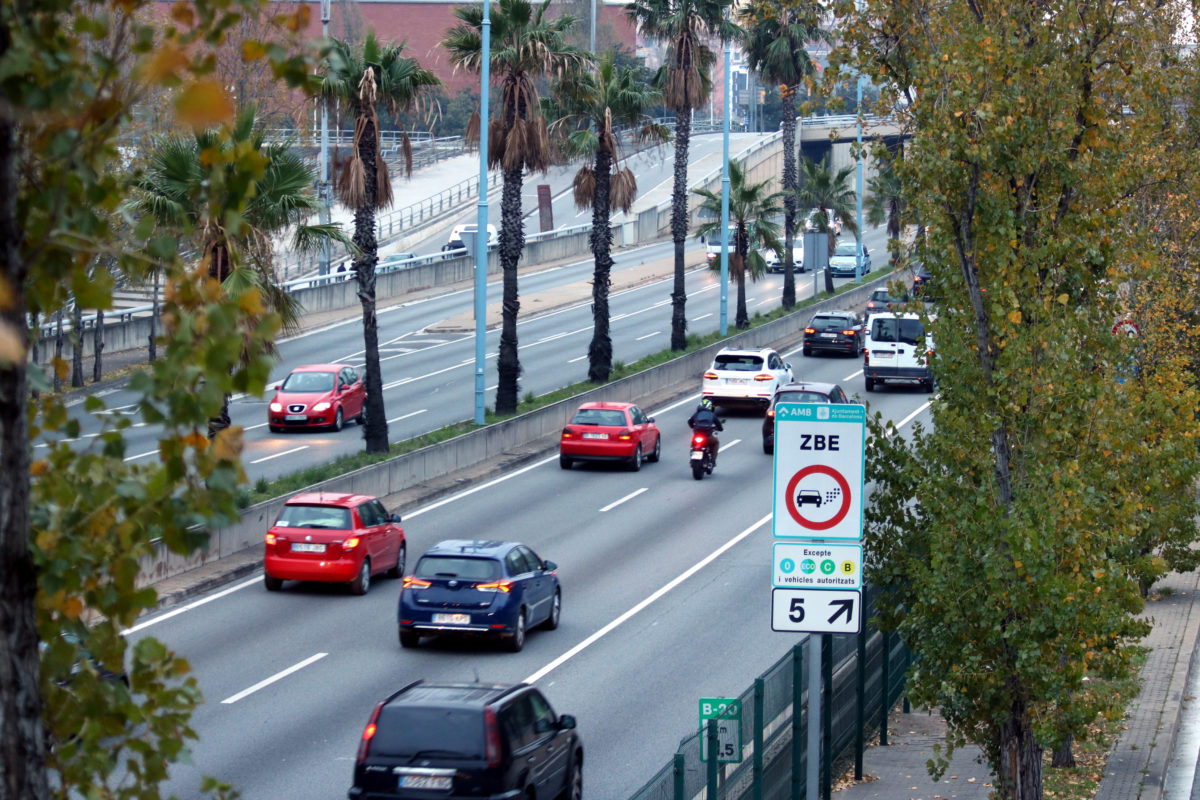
(270, 538)
(491, 737)
(364, 745)
(567, 433)
(810, 330)
(624, 436)
(350, 543)
(710, 376)
(415, 583)
(495, 586)
(771, 412)
(764, 376)
(847, 333)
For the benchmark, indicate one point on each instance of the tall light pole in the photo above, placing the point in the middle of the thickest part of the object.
(725, 197)
(592, 49)
(323, 190)
(481, 237)
(858, 256)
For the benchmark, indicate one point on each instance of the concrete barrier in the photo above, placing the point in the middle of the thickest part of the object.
(477, 446)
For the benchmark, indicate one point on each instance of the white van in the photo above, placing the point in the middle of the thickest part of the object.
(897, 348)
(456, 243)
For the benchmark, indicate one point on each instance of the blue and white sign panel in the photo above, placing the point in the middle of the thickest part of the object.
(819, 468)
(808, 565)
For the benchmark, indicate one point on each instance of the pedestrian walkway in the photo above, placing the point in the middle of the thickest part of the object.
(1137, 763)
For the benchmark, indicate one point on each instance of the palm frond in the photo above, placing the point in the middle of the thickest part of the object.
(624, 190)
(584, 187)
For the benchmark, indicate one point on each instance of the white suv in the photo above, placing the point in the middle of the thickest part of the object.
(897, 348)
(745, 377)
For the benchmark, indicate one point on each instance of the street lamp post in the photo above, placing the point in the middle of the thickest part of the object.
(481, 239)
(323, 190)
(725, 198)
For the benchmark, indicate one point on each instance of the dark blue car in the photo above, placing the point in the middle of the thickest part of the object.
(479, 588)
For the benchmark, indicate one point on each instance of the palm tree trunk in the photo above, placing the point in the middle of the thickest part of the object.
(77, 347)
(679, 227)
(789, 198)
(22, 738)
(512, 242)
(600, 351)
(742, 319)
(154, 320)
(98, 347)
(832, 246)
(376, 430)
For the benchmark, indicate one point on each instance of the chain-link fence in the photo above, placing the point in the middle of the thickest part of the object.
(774, 738)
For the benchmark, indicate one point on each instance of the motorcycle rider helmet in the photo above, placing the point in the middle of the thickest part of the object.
(706, 404)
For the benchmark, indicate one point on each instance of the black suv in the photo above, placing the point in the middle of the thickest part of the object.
(839, 331)
(477, 740)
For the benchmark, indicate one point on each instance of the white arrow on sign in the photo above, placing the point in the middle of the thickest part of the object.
(816, 611)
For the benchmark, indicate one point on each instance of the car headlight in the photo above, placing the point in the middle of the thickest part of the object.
(277, 407)
(321, 407)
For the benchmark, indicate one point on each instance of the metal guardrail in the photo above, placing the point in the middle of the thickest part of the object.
(772, 721)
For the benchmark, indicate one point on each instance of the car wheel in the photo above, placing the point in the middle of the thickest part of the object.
(517, 640)
(657, 454)
(574, 790)
(697, 470)
(362, 584)
(555, 612)
(636, 463)
(869, 385)
(409, 638)
(398, 570)
(564, 462)
(338, 420)
(361, 419)
(768, 446)
(272, 584)
(928, 385)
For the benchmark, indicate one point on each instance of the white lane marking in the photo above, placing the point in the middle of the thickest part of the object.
(573, 360)
(256, 427)
(141, 455)
(661, 303)
(279, 455)
(728, 445)
(648, 335)
(702, 316)
(176, 612)
(852, 375)
(406, 416)
(621, 620)
(765, 302)
(629, 496)
(912, 416)
(276, 677)
(552, 338)
(492, 388)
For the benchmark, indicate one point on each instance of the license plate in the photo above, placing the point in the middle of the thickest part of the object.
(452, 619)
(735, 381)
(697, 455)
(829, 335)
(303, 547)
(296, 417)
(887, 355)
(425, 782)
(595, 436)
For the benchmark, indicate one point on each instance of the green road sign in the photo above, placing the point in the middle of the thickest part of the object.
(727, 711)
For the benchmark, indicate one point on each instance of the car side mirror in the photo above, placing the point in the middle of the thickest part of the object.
(649, 420)
(395, 518)
(566, 722)
(549, 566)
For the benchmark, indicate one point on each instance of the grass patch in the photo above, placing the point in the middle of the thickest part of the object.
(287, 484)
(1091, 754)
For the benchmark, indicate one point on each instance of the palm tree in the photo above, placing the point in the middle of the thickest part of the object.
(361, 80)
(525, 46)
(752, 211)
(593, 104)
(685, 26)
(885, 203)
(832, 197)
(776, 35)
(176, 191)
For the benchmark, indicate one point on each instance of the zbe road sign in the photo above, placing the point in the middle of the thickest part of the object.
(819, 455)
(806, 565)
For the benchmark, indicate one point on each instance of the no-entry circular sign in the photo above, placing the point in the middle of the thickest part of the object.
(796, 497)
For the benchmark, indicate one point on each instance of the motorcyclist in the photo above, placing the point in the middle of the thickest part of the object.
(704, 418)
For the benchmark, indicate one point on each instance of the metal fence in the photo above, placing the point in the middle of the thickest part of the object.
(774, 737)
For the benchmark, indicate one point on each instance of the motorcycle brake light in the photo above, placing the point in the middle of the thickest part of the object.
(699, 439)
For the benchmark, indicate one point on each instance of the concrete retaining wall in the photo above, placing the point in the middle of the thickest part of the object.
(477, 446)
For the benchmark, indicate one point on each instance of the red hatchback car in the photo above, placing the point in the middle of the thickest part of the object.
(610, 432)
(342, 538)
(318, 396)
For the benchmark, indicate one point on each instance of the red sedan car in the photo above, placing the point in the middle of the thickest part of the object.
(343, 538)
(610, 432)
(318, 396)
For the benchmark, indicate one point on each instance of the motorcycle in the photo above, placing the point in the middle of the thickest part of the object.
(703, 459)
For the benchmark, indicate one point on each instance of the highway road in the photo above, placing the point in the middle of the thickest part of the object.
(666, 585)
(428, 378)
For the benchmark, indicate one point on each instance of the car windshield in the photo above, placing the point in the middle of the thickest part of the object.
(738, 363)
(599, 416)
(844, 249)
(308, 382)
(831, 323)
(908, 331)
(471, 569)
(882, 296)
(314, 517)
(428, 732)
(801, 397)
